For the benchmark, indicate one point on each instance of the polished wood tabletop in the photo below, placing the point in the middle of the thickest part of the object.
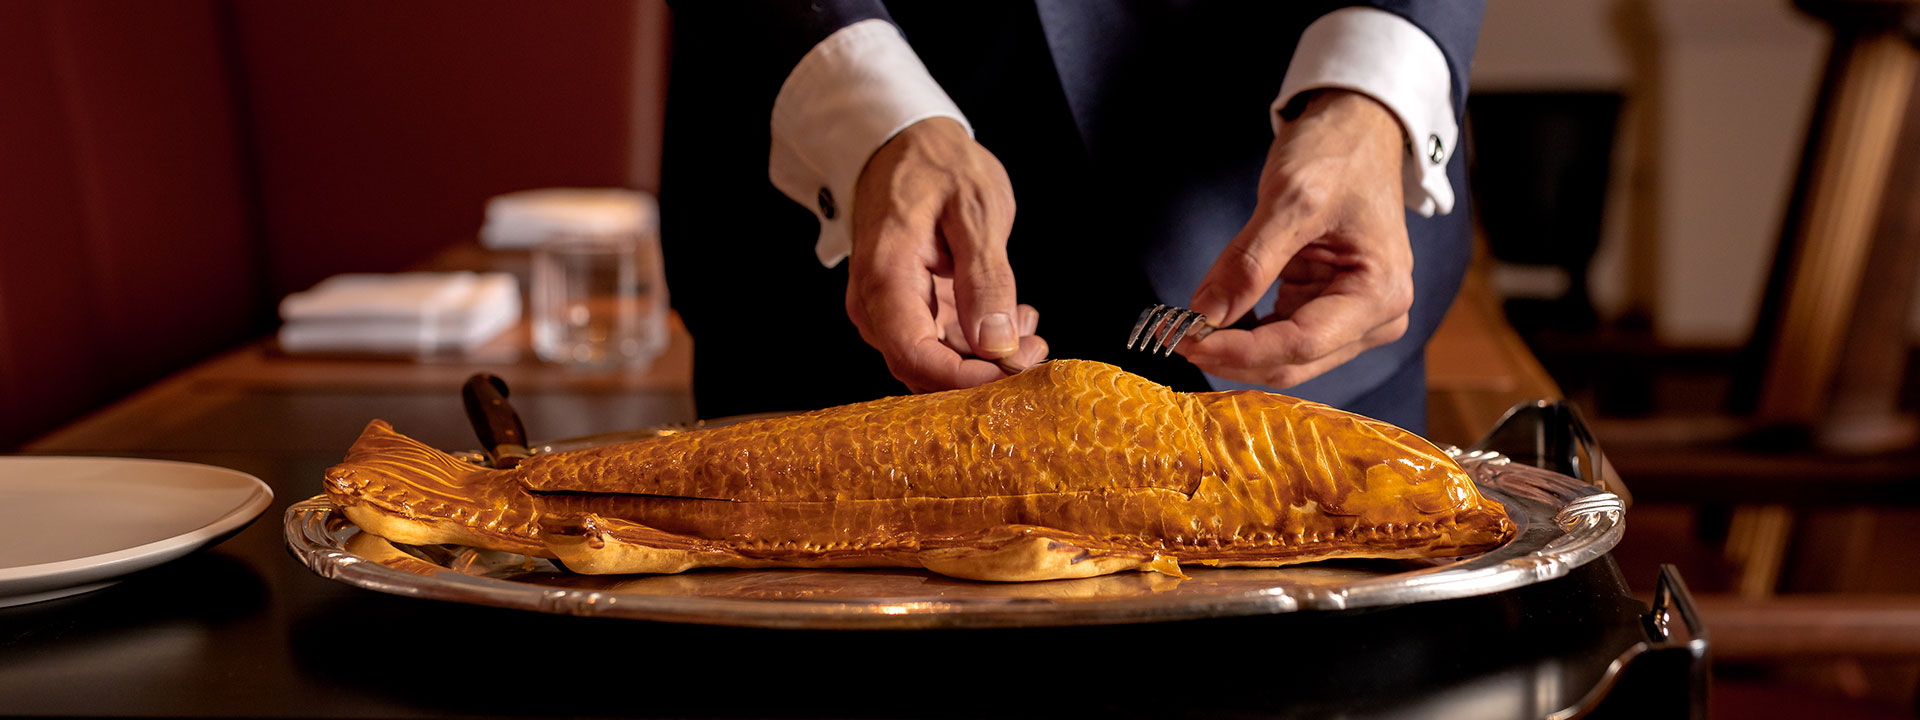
(257, 398)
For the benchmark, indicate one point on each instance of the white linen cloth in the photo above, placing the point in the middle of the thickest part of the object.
(523, 219)
(863, 84)
(402, 313)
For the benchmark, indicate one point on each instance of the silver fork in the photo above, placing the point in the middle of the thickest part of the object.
(1161, 328)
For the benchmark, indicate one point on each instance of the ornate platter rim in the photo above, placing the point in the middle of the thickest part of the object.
(1562, 523)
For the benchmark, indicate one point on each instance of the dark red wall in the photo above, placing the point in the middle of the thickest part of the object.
(382, 127)
(121, 214)
(169, 170)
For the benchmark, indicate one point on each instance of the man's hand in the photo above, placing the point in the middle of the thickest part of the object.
(929, 284)
(1329, 224)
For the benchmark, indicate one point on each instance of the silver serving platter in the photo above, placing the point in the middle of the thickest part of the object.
(1561, 523)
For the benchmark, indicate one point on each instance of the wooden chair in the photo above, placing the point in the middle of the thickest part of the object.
(1822, 430)
(1833, 329)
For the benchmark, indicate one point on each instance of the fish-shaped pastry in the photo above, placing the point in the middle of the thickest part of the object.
(1070, 469)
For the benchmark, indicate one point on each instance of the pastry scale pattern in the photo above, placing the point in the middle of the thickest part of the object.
(1070, 469)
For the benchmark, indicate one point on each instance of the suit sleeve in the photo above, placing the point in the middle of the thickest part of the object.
(847, 82)
(1412, 58)
(1454, 26)
(846, 98)
(770, 35)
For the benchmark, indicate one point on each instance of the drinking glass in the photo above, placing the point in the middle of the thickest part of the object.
(599, 299)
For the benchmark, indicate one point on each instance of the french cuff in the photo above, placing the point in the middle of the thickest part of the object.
(847, 97)
(1383, 56)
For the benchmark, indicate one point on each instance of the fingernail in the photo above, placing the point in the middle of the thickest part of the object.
(1212, 302)
(996, 334)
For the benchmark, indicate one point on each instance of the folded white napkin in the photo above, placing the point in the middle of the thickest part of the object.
(523, 219)
(405, 313)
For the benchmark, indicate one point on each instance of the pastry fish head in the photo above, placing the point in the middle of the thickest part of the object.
(395, 471)
(405, 491)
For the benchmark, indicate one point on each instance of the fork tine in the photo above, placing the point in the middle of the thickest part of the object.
(1151, 343)
(1151, 327)
(1158, 333)
(1161, 328)
(1181, 332)
(1140, 325)
(1166, 330)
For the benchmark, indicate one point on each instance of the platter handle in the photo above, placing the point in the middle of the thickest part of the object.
(1551, 434)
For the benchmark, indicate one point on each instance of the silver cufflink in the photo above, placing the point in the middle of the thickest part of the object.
(825, 199)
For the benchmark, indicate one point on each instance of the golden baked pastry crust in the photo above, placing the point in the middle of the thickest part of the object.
(1070, 469)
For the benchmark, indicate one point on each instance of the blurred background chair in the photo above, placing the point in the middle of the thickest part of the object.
(1785, 499)
(1546, 157)
(1827, 362)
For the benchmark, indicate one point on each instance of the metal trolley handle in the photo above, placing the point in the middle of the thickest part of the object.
(1668, 670)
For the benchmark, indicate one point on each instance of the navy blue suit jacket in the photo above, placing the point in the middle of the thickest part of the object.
(1134, 134)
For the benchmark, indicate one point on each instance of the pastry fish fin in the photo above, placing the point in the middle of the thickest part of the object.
(594, 544)
(1014, 553)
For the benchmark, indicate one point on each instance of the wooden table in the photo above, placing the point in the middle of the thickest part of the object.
(244, 630)
(257, 398)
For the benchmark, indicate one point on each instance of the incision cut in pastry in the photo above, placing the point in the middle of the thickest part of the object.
(1070, 469)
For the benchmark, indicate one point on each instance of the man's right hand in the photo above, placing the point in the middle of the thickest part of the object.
(933, 205)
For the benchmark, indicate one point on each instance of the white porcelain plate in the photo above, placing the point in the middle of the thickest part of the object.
(73, 524)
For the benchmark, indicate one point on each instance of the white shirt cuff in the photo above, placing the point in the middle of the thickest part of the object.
(1387, 58)
(847, 97)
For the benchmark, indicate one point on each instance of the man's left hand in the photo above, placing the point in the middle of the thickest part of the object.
(1330, 225)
